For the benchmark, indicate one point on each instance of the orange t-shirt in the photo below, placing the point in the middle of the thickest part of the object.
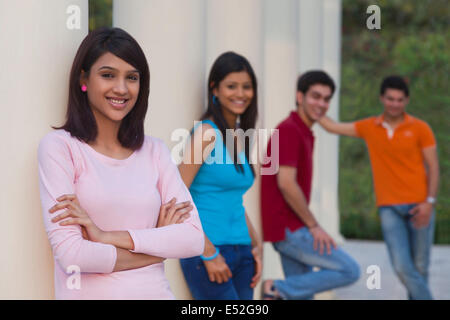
(397, 160)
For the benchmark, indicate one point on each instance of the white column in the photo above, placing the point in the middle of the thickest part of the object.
(236, 25)
(38, 47)
(310, 22)
(328, 145)
(319, 39)
(280, 60)
(172, 35)
(280, 75)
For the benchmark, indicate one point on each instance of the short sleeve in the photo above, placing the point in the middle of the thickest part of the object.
(426, 136)
(362, 127)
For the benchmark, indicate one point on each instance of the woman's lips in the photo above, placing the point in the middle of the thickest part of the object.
(117, 103)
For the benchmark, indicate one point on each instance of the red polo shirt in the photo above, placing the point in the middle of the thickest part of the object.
(295, 149)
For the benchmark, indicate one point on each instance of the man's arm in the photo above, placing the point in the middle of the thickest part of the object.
(432, 163)
(342, 128)
(422, 212)
(293, 195)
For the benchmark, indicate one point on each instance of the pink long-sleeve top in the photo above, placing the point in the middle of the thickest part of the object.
(117, 195)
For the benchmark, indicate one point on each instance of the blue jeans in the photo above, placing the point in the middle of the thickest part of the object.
(409, 248)
(239, 259)
(298, 258)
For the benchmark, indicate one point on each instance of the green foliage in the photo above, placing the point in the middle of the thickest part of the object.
(398, 16)
(413, 42)
(100, 14)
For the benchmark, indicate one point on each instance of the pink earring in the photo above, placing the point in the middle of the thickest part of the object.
(83, 88)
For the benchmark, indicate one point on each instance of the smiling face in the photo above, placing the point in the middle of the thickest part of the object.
(315, 102)
(112, 88)
(235, 93)
(394, 101)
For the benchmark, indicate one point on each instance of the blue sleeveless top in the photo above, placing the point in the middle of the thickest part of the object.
(218, 190)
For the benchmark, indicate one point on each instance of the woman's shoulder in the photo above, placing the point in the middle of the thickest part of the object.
(58, 138)
(151, 141)
(57, 134)
(59, 145)
(203, 126)
(158, 150)
(207, 129)
(155, 145)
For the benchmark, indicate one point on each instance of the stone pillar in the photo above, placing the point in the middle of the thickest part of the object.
(236, 25)
(39, 41)
(300, 35)
(320, 45)
(319, 41)
(280, 75)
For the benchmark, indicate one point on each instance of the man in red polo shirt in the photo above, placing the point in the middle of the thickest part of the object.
(286, 219)
(401, 149)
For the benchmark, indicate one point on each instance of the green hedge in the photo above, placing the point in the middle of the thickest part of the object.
(100, 14)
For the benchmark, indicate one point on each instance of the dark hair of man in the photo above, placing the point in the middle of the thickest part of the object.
(394, 82)
(225, 64)
(310, 78)
(80, 120)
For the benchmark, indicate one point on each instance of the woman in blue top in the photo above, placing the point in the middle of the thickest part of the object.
(217, 171)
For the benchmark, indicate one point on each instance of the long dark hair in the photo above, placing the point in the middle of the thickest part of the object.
(225, 64)
(80, 120)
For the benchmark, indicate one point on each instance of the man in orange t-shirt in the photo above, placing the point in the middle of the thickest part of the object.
(405, 169)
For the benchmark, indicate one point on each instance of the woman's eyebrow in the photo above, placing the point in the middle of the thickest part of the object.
(114, 69)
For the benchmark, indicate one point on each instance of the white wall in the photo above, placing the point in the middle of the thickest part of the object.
(320, 45)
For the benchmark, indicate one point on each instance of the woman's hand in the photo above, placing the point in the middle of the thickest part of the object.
(171, 213)
(218, 270)
(257, 255)
(75, 214)
(257, 252)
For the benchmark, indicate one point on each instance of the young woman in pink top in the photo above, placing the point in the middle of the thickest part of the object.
(103, 182)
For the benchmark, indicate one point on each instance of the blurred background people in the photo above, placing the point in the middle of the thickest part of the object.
(287, 220)
(405, 168)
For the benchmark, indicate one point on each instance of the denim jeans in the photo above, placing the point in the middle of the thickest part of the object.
(239, 259)
(298, 258)
(409, 248)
